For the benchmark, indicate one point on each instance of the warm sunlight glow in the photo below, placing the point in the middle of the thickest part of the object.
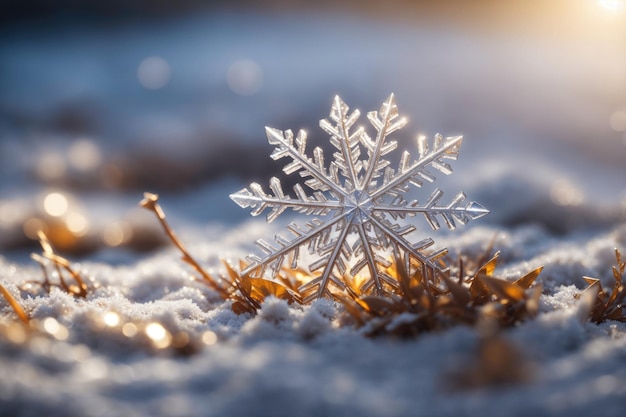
(612, 5)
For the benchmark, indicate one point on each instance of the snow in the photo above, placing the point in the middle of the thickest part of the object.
(298, 360)
(528, 128)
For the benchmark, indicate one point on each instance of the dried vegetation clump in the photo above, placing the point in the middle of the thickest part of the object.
(69, 279)
(425, 303)
(605, 305)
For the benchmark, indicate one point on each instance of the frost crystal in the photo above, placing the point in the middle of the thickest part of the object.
(357, 202)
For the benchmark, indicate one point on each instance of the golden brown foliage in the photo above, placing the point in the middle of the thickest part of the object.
(425, 303)
(605, 305)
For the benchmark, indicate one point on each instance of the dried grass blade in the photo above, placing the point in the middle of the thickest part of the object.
(587, 303)
(15, 305)
(151, 202)
(594, 282)
(478, 289)
(459, 292)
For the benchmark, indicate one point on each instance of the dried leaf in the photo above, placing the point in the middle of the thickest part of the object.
(504, 289)
(527, 280)
(490, 266)
(478, 290)
(262, 288)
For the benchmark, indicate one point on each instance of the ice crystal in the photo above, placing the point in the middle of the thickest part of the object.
(357, 203)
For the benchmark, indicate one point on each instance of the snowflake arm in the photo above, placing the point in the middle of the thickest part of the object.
(370, 260)
(456, 210)
(347, 159)
(415, 173)
(385, 121)
(336, 259)
(314, 169)
(259, 200)
(395, 234)
(315, 237)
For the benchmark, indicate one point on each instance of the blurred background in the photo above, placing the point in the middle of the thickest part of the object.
(101, 101)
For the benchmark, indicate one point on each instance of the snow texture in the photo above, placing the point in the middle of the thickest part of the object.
(298, 360)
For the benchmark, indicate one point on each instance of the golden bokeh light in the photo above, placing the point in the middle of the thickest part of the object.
(209, 338)
(160, 337)
(77, 224)
(54, 328)
(111, 319)
(116, 234)
(55, 204)
(129, 330)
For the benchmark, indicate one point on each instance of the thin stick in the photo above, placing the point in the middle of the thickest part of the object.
(151, 202)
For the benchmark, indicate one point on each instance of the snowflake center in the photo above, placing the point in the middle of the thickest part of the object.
(358, 206)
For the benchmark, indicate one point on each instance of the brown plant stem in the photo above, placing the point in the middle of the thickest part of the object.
(151, 202)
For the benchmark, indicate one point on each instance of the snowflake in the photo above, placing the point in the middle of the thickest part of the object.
(357, 202)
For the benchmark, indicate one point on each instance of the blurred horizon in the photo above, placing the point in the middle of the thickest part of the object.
(104, 100)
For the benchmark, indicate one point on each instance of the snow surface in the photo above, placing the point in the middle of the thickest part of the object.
(528, 129)
(297, 360)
